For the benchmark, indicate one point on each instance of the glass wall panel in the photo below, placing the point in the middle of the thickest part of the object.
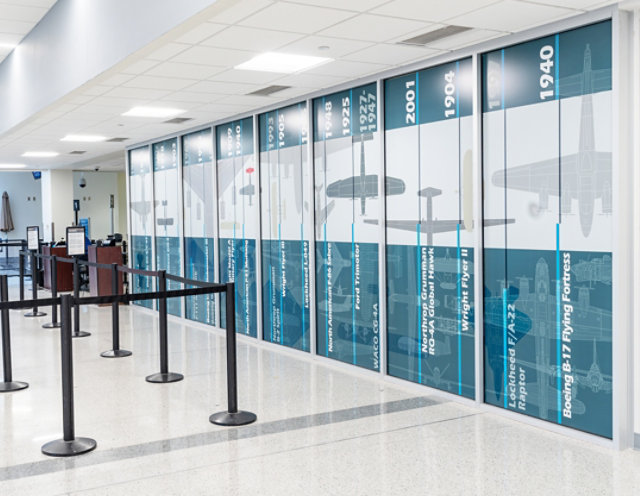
(239, 212)
(285, 203)
(347, 169)
(430, 222)
(140, 209)
(199, 225)
(547, 174)
(167, 210)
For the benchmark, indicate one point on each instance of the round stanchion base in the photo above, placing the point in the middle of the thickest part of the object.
(7, 387)
(115, 353)
(35, 314)
(60, 447)
(80, 334)
(51, 325)
(232, 419)
(161, 378)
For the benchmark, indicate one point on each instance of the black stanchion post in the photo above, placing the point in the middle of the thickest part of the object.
(77, 333)
(8, 384)
(21, 270)
(116, 352)
(69, 445)
(34, 288)
(164, 375)
(54, 294)
(232, 416)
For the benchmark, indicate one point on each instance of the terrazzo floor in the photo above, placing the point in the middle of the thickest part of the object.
(320, 430)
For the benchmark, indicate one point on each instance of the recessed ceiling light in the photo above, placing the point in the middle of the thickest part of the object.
(157, 112)
(9, 46)
(40, 154)
(13, 166)
(84, 138)
(282, 62)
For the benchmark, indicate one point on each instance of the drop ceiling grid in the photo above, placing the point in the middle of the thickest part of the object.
(195, 71)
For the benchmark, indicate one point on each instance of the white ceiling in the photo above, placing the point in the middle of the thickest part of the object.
(17, 18)
(194, 70)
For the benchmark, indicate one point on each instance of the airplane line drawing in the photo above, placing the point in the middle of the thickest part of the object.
(430, 225)
(364, 185)
(586, 175)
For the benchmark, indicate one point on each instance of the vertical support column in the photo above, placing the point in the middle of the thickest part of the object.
(77, 333)
(115, 351)
(164, 375)
(232, 417)
(382, 242)
(53, 261)
(8, 383)
(69, 445)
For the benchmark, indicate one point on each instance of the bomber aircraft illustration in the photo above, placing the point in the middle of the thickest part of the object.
(586, 175)
(364, 185)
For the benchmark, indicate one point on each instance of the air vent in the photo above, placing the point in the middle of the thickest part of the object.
(77, 152)
(178, 120)
(269, 90)
(116, 140)
(432, 36)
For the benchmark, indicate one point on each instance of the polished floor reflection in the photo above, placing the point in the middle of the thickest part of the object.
(320, 430)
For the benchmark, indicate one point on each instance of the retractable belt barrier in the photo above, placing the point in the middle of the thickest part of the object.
(70, 445)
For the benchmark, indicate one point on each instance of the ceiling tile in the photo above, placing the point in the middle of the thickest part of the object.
(116, 80)
(369, 27)
(167, 51)
(306, 80)
(245, 38)
(159, 83)
(430, 11)
(213, 56)
(224, 88)
(296, 18)
(346, 68)
(337, 47)
(138, 93)
(189, 96)
(510, 15)
(353, 5)
(176, 69)
(21, 13)
(15, 27)
(250, 77)
(392, 54)
(239, 10)
(196, 34)
(467, 38)
(140, 66)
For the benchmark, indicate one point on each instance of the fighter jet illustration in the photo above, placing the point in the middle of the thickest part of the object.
(365, 185)
(595, 379)
(431, 226)
(586, 175)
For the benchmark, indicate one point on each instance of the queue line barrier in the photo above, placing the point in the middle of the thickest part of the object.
(70, 445)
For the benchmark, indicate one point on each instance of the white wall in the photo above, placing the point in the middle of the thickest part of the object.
(94, 201)
(25, 200)
(57, 204)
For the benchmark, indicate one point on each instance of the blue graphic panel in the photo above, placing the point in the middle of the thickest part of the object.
(347, 171)
(199, 226)
(547, 274)
(141, 259)
(168, 258)
(199, 256)
(239, 220)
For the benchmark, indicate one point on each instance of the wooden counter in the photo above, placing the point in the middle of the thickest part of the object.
(65, 270)
(100, 279)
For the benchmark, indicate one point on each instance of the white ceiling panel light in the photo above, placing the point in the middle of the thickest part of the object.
(40, 154)
(84, 138)
(285, 63)
(153, 112)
